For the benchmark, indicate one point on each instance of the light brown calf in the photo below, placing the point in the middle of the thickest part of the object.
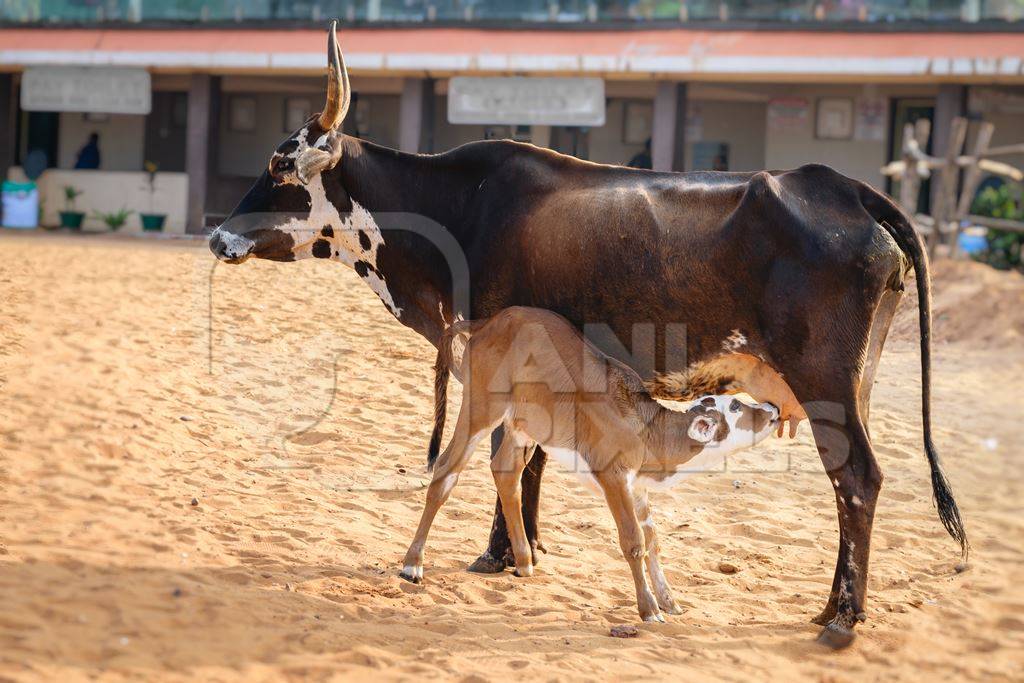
(531, 370)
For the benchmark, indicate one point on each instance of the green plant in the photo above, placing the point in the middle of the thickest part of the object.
(1004, 247)
(71, 193)
(114, 220)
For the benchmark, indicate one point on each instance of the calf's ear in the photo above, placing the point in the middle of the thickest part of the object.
(703, 428)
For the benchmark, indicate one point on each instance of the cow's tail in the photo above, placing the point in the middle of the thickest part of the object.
(898, 225)
(442, 371)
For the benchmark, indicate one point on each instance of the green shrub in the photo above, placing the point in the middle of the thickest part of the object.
(1004, 247)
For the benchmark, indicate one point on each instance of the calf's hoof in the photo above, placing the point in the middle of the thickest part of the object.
(524, 571)
(836, 637)
(537, 545)
(655, 618)
(412, 574)
(672, 608)
(488, 564)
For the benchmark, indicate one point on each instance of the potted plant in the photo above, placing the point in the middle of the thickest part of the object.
(114, 220)
(69, 217)
(152, 221)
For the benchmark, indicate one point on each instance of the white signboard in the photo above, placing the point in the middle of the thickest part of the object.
(86, 89)
(526, 101)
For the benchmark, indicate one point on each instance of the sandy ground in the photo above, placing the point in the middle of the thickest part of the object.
(295, 411)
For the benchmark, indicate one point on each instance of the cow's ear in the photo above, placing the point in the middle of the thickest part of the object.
(315, 160)
(703, 428)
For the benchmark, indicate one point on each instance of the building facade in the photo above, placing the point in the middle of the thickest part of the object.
(205, 91)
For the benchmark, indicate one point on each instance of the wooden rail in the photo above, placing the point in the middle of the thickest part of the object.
(950, 208)
(997, 223)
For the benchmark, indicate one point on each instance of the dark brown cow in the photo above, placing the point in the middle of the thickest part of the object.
(792, 273)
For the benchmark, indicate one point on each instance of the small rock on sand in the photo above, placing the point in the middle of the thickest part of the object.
(727, 568)
(625, 631)
(195, 501)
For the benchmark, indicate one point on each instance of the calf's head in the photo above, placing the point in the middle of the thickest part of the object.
(287, 214)
(727, 424)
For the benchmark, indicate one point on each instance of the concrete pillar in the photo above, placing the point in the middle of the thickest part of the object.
(668, 127)
(427, 123)
(540, 135)
(8, 123)
(416, 115)
(201, 141)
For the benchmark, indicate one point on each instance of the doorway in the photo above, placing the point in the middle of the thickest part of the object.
(41, 133)
(908, 110)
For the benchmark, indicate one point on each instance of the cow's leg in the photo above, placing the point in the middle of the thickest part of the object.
(531, 499)
(499, 550)
(831, 404)
(881, 321)
(879, 331)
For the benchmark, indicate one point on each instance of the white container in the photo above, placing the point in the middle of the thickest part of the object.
(20, 205)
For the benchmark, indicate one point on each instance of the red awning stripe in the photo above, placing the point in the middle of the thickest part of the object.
(670, 52)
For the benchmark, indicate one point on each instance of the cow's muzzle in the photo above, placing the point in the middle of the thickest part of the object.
(229, 247)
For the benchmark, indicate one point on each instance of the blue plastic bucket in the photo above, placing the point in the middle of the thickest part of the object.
(972, 240)
(20, 202)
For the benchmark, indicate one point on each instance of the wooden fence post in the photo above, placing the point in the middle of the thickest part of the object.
(949, 175)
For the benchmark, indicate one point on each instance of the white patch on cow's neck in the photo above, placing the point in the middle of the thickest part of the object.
(346, 243)
(734, 341)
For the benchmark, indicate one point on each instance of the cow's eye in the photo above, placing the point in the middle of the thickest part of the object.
(735, 406)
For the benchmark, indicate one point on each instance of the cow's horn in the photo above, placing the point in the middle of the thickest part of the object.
(339, 94)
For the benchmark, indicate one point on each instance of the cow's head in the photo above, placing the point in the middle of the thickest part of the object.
(287, 213)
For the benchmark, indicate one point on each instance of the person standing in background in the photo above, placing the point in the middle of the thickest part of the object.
(642, 159)
(89, 155)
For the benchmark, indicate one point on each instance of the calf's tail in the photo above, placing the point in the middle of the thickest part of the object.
(898, 225)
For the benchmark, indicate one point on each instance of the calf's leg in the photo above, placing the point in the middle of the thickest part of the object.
(507, 466)
(446, 474)
(631, 541)
(662, 591)
(499, 550)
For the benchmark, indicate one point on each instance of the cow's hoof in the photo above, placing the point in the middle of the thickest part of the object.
(487, 564)
(826, 616)
(836, 637)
